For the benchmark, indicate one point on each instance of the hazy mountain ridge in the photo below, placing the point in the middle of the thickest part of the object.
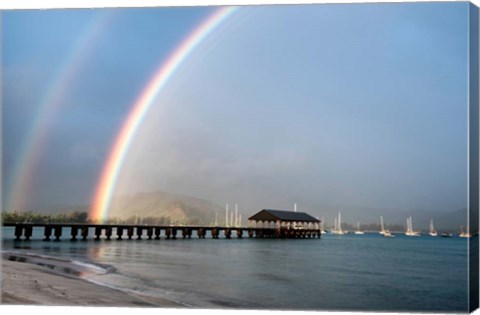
(174, 207)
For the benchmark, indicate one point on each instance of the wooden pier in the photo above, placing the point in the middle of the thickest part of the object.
(74, 232)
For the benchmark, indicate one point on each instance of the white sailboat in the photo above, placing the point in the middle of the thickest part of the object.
(334, 230)
(465, 234)
(410, 231)
(338, 226)
(432, 229)
(358, 231)
(383, 231)
(388, 234)
(382, 227)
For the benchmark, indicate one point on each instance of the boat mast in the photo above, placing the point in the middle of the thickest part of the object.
(339, 222)
(226, 214)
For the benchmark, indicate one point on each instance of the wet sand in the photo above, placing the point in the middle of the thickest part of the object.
(31, 284)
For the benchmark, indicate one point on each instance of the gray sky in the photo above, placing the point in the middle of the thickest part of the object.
(325, 105)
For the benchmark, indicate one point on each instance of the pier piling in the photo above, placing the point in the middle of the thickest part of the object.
(130, 232)
(84, 233)
(119, 233)
(139, 233)
(108, 232)
(149, 233)
(47, 233)
(18, 232)
(174, 234)
(98, 233)
(187, 232)
(28, 232)
(73, 233)
(58, 233)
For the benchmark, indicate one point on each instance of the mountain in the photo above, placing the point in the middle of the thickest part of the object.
(59, 209)
(164, 207)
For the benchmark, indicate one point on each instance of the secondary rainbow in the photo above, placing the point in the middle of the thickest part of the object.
(36, 140)
(113, 165)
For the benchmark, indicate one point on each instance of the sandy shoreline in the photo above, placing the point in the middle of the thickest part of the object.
(31, 284)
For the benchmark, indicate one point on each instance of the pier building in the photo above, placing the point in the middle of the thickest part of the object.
(282, 223)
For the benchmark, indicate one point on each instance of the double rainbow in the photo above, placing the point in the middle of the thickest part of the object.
(113, 165)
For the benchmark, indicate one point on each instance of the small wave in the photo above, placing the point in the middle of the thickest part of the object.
(99, 268)
(138, 293)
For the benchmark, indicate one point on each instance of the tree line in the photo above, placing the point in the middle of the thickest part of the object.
(82, 217)
(31, 217)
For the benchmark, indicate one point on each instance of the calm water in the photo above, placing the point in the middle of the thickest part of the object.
(350, 272)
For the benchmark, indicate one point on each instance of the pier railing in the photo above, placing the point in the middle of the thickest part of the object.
(24, 231)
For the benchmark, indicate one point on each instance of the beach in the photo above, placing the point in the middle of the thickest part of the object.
(31, 284)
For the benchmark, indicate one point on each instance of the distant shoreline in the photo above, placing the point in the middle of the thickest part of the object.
(25, 283)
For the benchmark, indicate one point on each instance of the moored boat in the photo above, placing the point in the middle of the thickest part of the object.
(338, 226)
(382, 227)
(388, 234)
(432, 229)
(410, 231)
(358, 231)
(465, 234)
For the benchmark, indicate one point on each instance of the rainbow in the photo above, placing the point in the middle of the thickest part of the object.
(35, 142)
(113, 165)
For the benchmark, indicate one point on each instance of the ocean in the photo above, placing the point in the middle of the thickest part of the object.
(338, 272)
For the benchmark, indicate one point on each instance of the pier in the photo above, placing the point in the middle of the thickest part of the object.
(97, 232)
(264, 224)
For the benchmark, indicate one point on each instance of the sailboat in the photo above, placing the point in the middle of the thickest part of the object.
(388, 234)
(334, 230)
(410, 231)
(382, 227)
(432, 229)
(358, 231)
(338, 226)
(465, 234)
(385, 233)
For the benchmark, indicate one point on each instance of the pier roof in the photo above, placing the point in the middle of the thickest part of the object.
(282, 215)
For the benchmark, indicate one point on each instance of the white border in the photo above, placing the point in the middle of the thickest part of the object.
(58, 4)
(50, 4)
